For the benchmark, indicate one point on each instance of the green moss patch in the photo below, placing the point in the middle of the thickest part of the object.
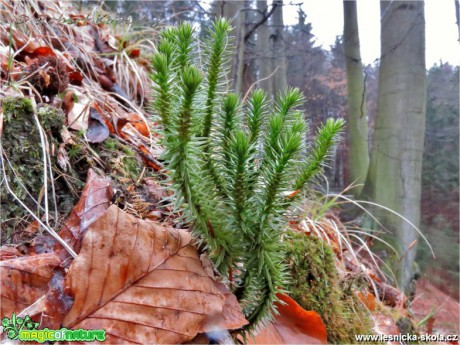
(316, 286)
(23, 163)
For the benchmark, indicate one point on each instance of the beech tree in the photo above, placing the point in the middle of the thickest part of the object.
(234, 11)
(261, 42)
(278, 80)
(394, 177)
(357, 112)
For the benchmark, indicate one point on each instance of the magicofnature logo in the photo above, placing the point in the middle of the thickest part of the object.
(24, 329)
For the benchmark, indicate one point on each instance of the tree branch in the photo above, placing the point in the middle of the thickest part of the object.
(264, 19)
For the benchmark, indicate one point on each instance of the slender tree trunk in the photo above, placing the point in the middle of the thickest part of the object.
(238, 62)
(278, 80)
(394, 178)
(262, 48)
(233, 10)
(357, 111)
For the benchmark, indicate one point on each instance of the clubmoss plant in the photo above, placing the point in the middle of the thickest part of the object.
(236, 169)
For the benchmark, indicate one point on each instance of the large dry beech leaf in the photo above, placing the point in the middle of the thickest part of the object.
(142, 283)
(24, 280)
(293, 325)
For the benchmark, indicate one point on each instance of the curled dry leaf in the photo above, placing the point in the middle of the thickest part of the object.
(97, 130)
(76, 106)
(139, 124)
(66, 136)
(119, 124)
(68, 102)
(293, 325)
(368, 299)
(8, 252)
(43, 51)
(95, 199)
(134, 53)
(19, 40)
(75, 78)
(106, 117)
(231, 316)
(24, 280)
(105, 82)
(141, 282)
(134, 120)
(291, 194)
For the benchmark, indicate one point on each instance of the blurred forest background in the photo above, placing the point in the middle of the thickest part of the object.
(422, 135)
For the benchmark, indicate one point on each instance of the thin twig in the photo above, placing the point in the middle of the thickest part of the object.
(45, 167)
(258, 81)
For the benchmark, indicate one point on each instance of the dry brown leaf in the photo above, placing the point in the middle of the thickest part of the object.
(105, 82)
(97, 130)
(95, 199)
(75, 78)
(141, 282)
(293, 325)
(43, 51)
(231, 316)
(77, 111)
(390, 295)
(368, 299)
(68, 102)
(24, 280)
(8, 253)
(105, 115)
(134, 53)
(136, 121)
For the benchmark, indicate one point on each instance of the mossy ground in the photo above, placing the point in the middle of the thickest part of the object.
(119, 162)
(23, 160)
(24, 167)
(316, 286)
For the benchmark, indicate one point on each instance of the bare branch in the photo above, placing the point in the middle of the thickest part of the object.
(261, 22)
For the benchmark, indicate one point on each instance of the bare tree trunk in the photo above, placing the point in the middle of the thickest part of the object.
(357, 111)
(233, 10)
(238, 62)
(394, 178)
(278, 80)
(262, 48)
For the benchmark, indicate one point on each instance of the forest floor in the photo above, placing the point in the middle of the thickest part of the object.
(107, 132)
(429, 298)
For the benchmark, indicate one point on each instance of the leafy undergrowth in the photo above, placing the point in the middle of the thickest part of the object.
(79, 160)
